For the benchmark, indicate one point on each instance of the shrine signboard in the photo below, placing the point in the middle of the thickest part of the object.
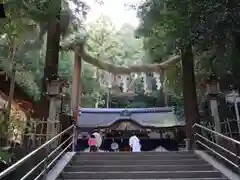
(126, 113)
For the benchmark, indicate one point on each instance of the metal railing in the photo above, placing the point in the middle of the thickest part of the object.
(224, 147)
(51, 156)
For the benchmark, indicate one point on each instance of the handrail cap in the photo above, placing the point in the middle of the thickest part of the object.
(216, 133)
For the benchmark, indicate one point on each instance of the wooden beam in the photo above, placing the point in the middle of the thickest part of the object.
(115, 69)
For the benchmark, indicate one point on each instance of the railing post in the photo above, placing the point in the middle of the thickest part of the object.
(237, 156)
(45, 169)
(194, 137)
(196, 131)
(73, 138)
(46, 162)
(187, 144)
(194, 142)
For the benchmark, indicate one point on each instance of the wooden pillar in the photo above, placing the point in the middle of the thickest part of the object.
(76, 86)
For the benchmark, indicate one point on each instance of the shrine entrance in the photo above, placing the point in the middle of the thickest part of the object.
(122, 139)
(120, 132)
(154, 127)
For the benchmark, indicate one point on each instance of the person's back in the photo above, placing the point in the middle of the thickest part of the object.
(134, 143)
(92, 143)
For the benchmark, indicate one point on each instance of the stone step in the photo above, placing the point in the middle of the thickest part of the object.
(125, 168)
(136, 153)
(160, 179)
(140, 175)
(138, 161)
(92, 156)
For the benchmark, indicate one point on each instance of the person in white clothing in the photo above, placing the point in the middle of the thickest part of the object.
(98, 138)
(134, 143)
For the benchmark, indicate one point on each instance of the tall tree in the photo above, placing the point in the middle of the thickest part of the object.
(110, 45)
(13, 32)
(169, 20)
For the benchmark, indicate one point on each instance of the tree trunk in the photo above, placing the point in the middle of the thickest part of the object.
(52, 51)
(235, 61)
(51, 59)
(11, 93)
(189, 92)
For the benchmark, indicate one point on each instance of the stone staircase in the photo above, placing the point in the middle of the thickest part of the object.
(143, 165)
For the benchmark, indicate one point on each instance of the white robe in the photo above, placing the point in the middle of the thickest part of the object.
(134, 143)
(98, 139)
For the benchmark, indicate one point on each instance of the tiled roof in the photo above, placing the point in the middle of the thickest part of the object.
(153, 117)
(118, 110)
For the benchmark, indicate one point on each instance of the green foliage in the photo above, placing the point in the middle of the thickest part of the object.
(15, 30)
(161, 26)
(132, 48)
(207, 25)
(25, 21)
(103, 41)
(6, 156)
(66, 65)
(111, 45)
(91, 89)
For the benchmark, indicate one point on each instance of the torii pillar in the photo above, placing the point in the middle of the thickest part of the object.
(76, 85)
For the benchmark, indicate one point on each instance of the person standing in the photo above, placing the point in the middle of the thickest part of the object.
(92, 143)
(99, 140)
(134, 143)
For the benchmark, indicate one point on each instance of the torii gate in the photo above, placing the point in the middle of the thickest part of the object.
(80, 54)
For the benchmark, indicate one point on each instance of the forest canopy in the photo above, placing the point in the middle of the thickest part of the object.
(165, 27)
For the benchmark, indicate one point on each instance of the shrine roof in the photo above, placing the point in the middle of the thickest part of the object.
(146, 117)
(132, 110)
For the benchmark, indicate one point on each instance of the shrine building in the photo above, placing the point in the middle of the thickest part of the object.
(153, 126)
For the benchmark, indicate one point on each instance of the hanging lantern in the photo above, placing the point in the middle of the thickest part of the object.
(125, 83)
(110, 80)
(95, 74)
(118, 80)
(144, 80)
(132, 84)
(105, 79)
(147, 82)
